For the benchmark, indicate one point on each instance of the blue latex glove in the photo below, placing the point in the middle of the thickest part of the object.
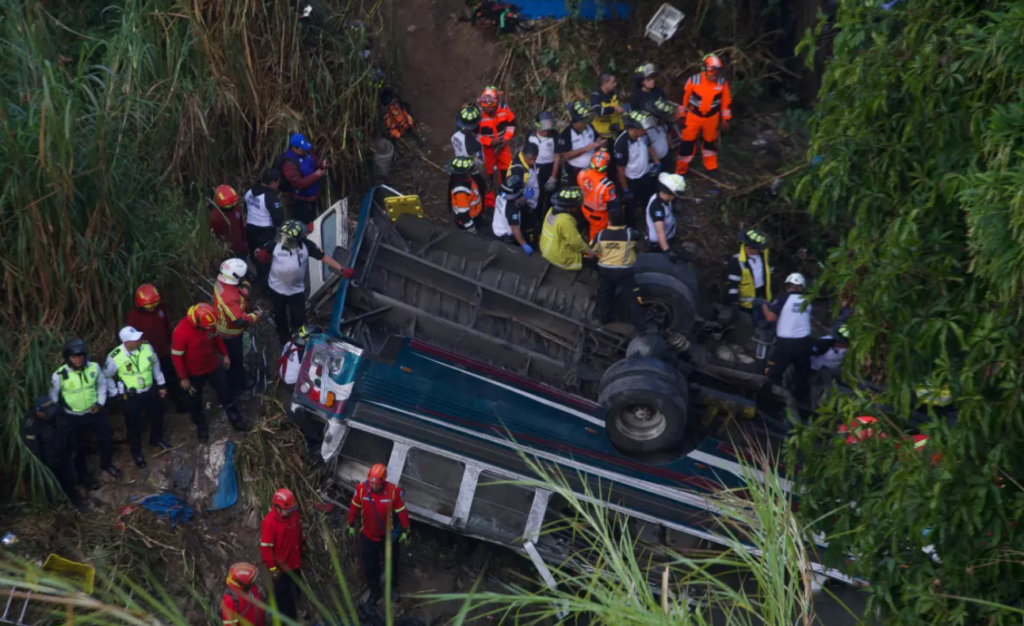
(529, 193)
(527, 249)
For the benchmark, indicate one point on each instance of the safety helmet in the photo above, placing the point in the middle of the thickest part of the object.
(639, 119)
(146, 296)
(203, 316)
(377, 475)
(513, 187)
(843, 332)
(754, 239)
(462, 165)
(545, 121)
(468, 117)
(293, 228)
(672, 183)
(660, 107)
(489, 98)
(226, 196)
(284, 500)
(569, 198)
(712, 62)
(600, 160)
(242, 574)
(232, 271)
(796, 278)
(73, 347)
(302, 335)
(578, 110)
(644, 71)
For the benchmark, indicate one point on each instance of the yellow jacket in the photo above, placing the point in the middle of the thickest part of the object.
(560, 241)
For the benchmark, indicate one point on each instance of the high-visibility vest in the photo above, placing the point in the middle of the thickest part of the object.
(470, 189)
(603, 123)
(747, 289)
(78, 388)
(135, 371)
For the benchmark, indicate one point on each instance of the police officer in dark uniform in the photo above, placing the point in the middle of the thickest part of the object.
(47, 436)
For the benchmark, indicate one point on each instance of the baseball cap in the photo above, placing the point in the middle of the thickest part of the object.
(129, 333)
(298, 140)
(46, 406)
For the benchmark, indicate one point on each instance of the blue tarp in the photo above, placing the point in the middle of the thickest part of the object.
(168, 506)
(227, 483)
(589, 10)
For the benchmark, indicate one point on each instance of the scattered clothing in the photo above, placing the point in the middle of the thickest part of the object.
(168, 506)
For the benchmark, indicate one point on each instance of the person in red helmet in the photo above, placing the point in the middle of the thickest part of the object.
(282, 545)
(707, 102)
(149, 315)
(227, 220)
(497, 126)
(377, 502)
(241, 604)
(200, 356)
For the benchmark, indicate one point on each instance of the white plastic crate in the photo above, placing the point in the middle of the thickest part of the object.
(664, 23)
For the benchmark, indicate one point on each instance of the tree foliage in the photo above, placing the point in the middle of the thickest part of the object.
(920, 123)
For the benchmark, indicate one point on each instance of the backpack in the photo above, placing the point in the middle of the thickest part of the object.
(279, 162)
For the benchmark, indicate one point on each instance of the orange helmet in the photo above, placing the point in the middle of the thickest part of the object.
(600, 160)
(489, 98)
(284, 499)
(378, 474)
(146, 296)
(202, 316)
(226, 196)
(712, 62)
(242, 574)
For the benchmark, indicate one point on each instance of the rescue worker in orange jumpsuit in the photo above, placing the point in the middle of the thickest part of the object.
(282, 545)
(376, 502)
(466, 203)
(598, 193)
(497, 126)
(707, 105)
(241, 603)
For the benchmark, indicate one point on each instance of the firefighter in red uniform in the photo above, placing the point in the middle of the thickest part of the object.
(707, 104)
(497, 126)
(282, 544)
(378, 500)
(149, 316)
(240, 604)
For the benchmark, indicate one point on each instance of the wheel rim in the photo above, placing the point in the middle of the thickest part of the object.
(641, 422)
(659, 312)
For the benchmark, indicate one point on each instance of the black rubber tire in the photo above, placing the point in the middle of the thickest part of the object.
(650, 346)
(625, 393)
(672, 297)
(659, 263)
(645, 366)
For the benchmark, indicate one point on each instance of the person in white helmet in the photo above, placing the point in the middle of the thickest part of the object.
(792, 316)
(231, 299)
(661, 220)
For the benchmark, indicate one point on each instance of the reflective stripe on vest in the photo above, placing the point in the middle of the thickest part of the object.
(747, 289)
(135, 372)
(603, 123)
(78, 387)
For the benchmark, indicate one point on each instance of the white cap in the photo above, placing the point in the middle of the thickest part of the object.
(129, 333)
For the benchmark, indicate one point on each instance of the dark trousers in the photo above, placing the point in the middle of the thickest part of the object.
(171, 378)
(543, 174)
(796, 353)
(623, 283)
(305, 212)
(289, 314)
(219, 381)
(57, 458)
(642, 188)
(257, 237)
(134, 406)
(371, 555)
(570, 175)
(236, 373)
(286, 591)
(80, 425)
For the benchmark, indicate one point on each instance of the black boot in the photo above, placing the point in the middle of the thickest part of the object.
(203, 431)
(236, 419)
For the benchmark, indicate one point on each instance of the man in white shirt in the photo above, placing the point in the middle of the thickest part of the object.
(792, 317)
(508, 213)
(547, 164)
(634, 157)
(828, 354)
(576, 144)
(264, 217)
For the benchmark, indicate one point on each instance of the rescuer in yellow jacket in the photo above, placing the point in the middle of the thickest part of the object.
(750, 275)
(560, 240)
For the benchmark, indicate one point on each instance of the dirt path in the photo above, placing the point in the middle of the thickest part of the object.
(443, 65)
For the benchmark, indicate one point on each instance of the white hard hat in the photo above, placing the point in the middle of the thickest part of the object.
(796, 278)
(232, 271)
(129, 333)
(673, 183)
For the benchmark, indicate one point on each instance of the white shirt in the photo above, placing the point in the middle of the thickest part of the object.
(289, 370)
(116, 387)
(658, 136)
(832, 359)
(258, 213)
(635, 154)
(580, 141)
(794, 323)
(656, 207)
(546, 145)
(501, 225)
(756, 264)
(288, 270)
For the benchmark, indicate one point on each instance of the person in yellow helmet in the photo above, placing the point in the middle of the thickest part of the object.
(560, 240)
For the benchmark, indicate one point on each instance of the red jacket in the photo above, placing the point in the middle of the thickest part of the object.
(196, 352)
(294, 176)
(229, 226)
(232, 304)
(155, 327)
(282, 541)
(237, 607)
(376, 508)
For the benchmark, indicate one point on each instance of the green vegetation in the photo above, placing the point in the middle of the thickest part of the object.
(116, 122)
(920, 123)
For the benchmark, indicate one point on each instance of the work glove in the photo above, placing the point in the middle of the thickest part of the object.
(309, 227)
(550, 185)
(528, 249)
(652, 168)
(672, 255)
(263, 256)
(404, 538)
(351, 532)
(348, 272)
(275, 573)
(528, 194)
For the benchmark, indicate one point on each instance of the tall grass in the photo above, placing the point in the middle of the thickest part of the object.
(115, 121)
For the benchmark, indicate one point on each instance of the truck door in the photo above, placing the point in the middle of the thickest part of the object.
(330, 232)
